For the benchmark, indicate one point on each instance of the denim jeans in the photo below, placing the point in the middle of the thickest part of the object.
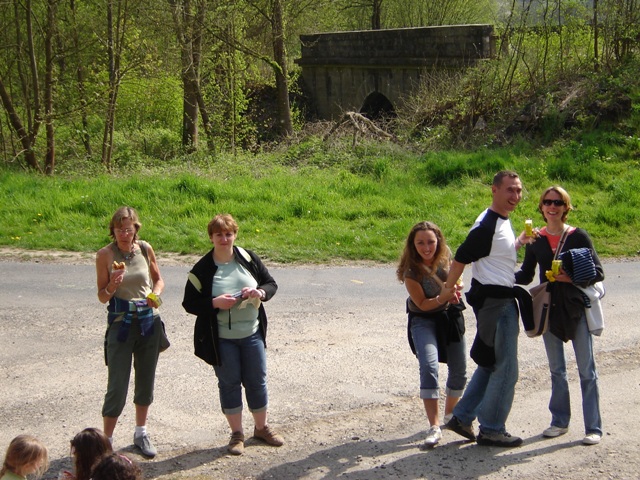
(559, 405)
(243, 362)
(490, 392)
(423, 332)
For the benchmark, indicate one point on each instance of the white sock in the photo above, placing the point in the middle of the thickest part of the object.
(111, 441)
(140, 430)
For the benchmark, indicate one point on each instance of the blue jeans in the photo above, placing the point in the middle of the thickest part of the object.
(243, 362)
(490, 392)
(559, 405)
(423, 331)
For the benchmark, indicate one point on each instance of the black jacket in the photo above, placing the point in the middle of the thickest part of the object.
(567, 304)
(198, 301)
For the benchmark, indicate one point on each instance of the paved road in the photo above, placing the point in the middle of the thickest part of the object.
(337, 349)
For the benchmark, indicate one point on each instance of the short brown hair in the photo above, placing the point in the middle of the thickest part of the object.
(121, 214)
(497, 178)
(565, 197)
(223, 222)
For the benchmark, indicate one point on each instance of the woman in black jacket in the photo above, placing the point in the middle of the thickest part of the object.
(567, 317)
(225, 290)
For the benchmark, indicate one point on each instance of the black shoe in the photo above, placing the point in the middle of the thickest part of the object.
(498, 440)
(456, 426)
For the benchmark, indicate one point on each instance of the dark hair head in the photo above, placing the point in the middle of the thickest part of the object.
(121, 214)
(498, 177)
(114, 466)
(88, 447)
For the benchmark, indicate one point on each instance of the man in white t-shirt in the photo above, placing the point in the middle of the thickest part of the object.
(491, 248)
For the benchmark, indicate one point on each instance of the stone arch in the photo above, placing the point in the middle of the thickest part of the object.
(377, 105)
(340, 70)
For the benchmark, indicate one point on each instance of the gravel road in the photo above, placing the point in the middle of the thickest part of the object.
(343, 383)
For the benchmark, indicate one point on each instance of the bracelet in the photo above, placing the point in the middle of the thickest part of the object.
(108, 292)
(518, 242)
(438, 300)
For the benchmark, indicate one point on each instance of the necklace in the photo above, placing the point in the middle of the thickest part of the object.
(556, 233)
(127, 256)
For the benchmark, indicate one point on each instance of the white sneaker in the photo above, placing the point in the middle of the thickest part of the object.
(592, 439)
(554, 431)
(143, 442)
(434, 435)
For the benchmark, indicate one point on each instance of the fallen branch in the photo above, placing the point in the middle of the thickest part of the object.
(361, 125)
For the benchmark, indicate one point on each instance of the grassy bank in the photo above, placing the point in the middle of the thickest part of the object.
(313, 206)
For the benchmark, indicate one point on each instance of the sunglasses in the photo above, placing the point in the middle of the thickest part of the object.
(557, 203)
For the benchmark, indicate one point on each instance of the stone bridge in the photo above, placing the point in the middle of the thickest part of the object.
(372, 71)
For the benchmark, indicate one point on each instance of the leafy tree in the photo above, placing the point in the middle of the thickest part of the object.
(422, 13)
(125, 48)
(363, 14)
(29, 29)
(189, 20)
(620, 23)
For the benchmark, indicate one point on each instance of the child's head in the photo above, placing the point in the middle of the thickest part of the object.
(87, 447)
(26, 455)
(114, 466)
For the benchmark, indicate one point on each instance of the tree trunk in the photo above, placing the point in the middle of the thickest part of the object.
(115, 36)
(282, 84)
(189, 112)
(23, 135)
(86, 140)
(596, 33)
(376, 15)
(29, 87)
(50, 155)
(188, 28)
(107, 135)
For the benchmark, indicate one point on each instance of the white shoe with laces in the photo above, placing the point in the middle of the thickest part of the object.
(592, 439)
(554, 431)
(143, 442)
(434, 435)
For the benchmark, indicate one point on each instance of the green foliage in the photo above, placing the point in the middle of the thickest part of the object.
(304, 207)
(146, 103)
(444, 168)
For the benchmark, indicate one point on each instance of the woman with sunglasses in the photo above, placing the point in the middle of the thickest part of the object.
(567, 319)
(129, 281)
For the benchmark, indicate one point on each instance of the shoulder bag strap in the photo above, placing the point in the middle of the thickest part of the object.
(565, 232)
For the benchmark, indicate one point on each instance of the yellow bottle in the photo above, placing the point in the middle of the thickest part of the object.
(528, 227)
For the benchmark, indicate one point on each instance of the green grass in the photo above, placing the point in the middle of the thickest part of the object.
(316, 205)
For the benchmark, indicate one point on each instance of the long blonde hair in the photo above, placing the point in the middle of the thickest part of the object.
(411, 259)
(25, 450)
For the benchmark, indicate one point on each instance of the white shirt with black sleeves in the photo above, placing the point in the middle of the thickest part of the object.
(490, 246)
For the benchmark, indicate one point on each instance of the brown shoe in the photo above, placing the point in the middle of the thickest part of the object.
(236, 444)
(268, 436)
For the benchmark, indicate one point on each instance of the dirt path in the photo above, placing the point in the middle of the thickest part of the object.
(343, 383)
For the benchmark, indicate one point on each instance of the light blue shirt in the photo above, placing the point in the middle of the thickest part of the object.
(236, 322)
